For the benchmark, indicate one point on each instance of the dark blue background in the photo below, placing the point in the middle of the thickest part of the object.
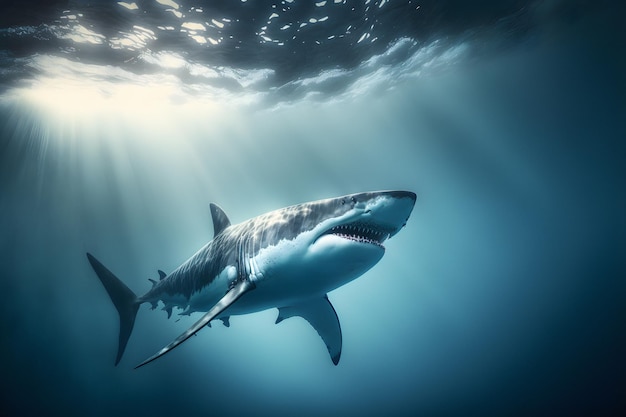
(504, 295)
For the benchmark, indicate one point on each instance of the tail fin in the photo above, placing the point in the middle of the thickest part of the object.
(124, 299)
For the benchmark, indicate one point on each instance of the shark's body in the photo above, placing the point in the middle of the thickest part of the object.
(288, 258)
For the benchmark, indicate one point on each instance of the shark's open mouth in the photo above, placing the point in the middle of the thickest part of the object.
(362, 233)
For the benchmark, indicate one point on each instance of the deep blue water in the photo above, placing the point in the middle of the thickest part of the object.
(504, 295)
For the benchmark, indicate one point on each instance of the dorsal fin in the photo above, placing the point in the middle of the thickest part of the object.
(220, 220)
(161, 274)
(152, 281)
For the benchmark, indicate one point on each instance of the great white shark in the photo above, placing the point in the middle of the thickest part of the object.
(287, 259)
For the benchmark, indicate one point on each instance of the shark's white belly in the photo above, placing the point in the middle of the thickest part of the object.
(290, 272)
(276, 292)
(281, 283)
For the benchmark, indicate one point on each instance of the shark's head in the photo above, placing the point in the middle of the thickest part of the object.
(336, 239)
(363, 220)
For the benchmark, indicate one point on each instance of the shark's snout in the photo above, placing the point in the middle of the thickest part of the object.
(390, 209)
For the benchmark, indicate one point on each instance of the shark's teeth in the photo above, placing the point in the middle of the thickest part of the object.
(363, 233)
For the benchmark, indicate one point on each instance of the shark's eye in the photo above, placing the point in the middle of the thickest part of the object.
(353, 199)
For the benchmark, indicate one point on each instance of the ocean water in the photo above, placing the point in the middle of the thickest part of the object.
(505, 294)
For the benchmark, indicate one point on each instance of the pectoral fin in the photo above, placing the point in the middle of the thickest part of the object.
(231, 296)
(319, 312)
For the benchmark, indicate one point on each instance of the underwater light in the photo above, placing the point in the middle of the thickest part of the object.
(69, 90)
(80, 110)
(83, 97)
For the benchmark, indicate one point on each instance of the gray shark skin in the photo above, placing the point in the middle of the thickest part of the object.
(287, 259)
